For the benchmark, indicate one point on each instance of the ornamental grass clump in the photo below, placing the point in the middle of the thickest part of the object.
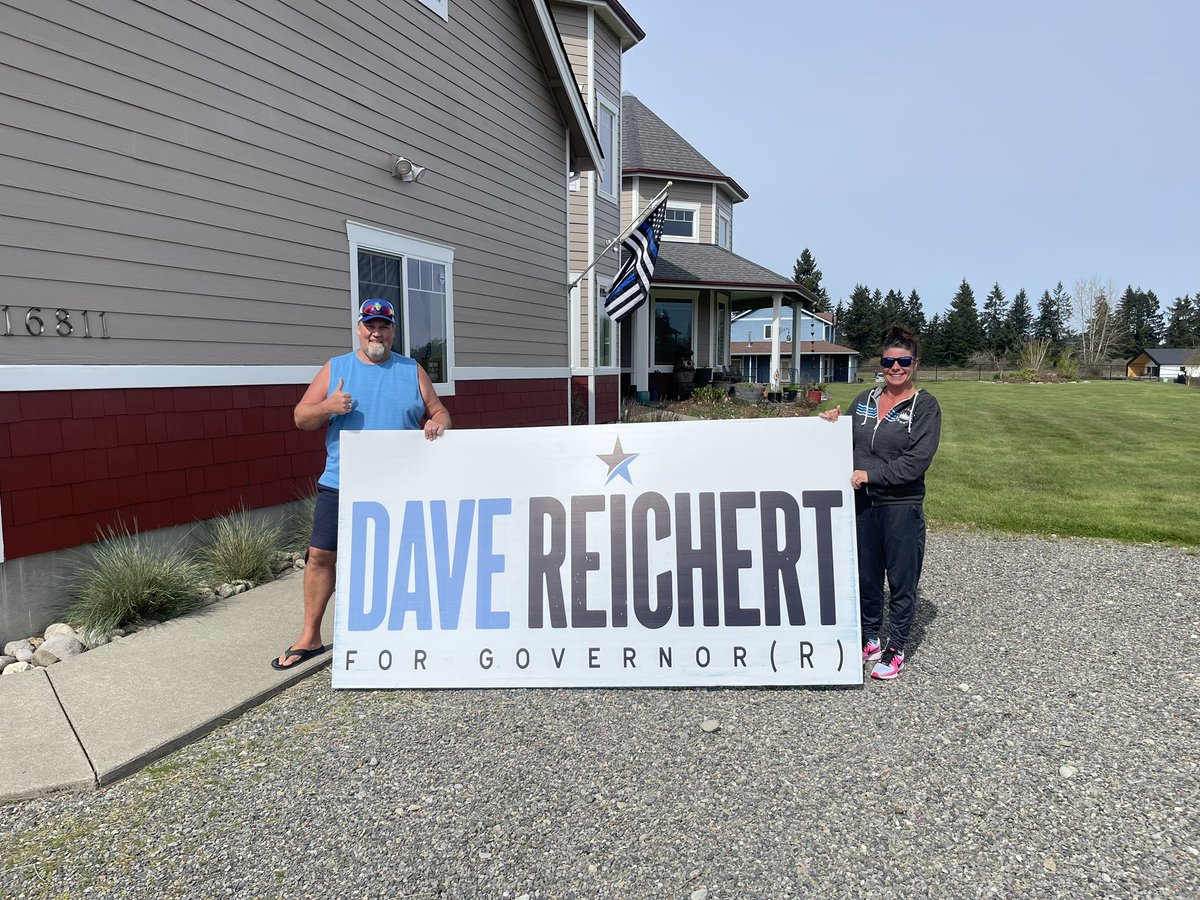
(125, 579)
(237, 547)
(297, 532)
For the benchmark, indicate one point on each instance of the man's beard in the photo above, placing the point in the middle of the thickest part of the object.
(376, 351)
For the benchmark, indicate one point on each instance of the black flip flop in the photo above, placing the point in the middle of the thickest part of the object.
(301, 656)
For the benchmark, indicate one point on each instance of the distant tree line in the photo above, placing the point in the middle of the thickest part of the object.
(1090, 324)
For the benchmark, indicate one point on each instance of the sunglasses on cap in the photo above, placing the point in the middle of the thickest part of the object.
(888, 361)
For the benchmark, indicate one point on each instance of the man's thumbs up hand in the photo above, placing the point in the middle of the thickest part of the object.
(339, 402)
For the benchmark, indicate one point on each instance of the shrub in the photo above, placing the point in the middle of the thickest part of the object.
(710, 393)
(238, 547)
(1067, 366)
(124, 579)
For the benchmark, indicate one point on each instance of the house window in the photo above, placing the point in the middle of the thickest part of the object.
(682, 222)
(605, 330)
(672, 331)
(441, 7)
(607, 129)
(767, 332)
(416, 278)
(724, 230)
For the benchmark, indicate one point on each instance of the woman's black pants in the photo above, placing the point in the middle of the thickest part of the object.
(891, 541)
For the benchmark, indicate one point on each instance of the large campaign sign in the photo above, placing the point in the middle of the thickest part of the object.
(656, 554)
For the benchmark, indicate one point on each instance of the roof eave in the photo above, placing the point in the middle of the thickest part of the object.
(627, 30)
(733, 186)
(585, 145)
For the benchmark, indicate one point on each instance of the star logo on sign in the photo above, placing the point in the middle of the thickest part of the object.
(618, 462)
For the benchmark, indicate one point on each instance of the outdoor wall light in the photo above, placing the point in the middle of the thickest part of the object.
(405, 170)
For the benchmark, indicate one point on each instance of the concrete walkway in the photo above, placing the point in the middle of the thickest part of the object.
(94, 719)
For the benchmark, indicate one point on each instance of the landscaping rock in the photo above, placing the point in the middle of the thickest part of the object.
(59, 628)
(62, 646)
(93, 639)
(11, 648)
(14, 668)
(6, 661)
(24, 654)
(43, 658)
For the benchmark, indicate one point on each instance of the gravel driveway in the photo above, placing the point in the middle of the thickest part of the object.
(1042, 742)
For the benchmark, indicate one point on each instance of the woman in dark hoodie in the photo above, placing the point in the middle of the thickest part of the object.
(896, 431)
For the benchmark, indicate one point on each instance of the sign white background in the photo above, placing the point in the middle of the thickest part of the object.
(394, 469)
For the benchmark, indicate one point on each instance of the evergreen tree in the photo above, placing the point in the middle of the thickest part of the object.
(1051, 324)
(995, 313)
(893, 310)
(1139, 322)
(806, 273)
(914, 313)
(932, 343)
(859, 323)
(961, 334)
(1063, 303)
(1019, 323)
(1183, 323)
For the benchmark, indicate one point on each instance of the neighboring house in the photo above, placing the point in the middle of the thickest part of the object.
(820, 357)
(196, 193)
(1165, 363)
(595, 34)
(699, 282)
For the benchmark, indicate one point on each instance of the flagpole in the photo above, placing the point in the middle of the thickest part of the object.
(624, 234)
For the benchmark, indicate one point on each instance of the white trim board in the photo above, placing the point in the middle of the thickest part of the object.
(76, 378)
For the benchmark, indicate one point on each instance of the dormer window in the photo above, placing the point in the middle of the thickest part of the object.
(682, 223)
(724, 230)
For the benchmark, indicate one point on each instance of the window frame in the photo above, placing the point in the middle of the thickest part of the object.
(685, 206)
(613, 190)
(726, 220)
(390, 243)
(659, 297)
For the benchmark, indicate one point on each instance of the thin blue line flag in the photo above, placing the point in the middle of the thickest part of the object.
(631, 287)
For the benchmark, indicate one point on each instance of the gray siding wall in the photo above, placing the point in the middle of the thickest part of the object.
(572, 24)
(599, 72)
(606, 56)
(189, 167)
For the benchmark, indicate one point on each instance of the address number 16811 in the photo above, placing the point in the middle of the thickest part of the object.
(61, 323)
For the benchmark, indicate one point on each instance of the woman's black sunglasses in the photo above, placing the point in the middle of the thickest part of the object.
(889, 361)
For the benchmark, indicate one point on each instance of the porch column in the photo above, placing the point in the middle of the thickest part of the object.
(642, 338)
(776, 319)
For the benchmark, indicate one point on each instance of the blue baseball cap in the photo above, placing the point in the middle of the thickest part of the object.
(376, 309)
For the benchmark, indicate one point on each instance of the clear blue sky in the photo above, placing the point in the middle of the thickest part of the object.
(912, 144)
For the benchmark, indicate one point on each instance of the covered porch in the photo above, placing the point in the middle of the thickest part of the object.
(684, 326)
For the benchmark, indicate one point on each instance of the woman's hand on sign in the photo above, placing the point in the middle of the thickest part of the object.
(858, 478)
(831, 415)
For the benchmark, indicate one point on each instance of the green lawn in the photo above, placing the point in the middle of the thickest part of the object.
(1108, 459)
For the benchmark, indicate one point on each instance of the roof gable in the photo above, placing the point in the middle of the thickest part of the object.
(651, 146)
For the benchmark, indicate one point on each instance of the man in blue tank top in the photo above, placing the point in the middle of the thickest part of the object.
(376, 390)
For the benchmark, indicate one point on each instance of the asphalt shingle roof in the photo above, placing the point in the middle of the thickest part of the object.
(1169, 356)
(648, 144)
(708, 264)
